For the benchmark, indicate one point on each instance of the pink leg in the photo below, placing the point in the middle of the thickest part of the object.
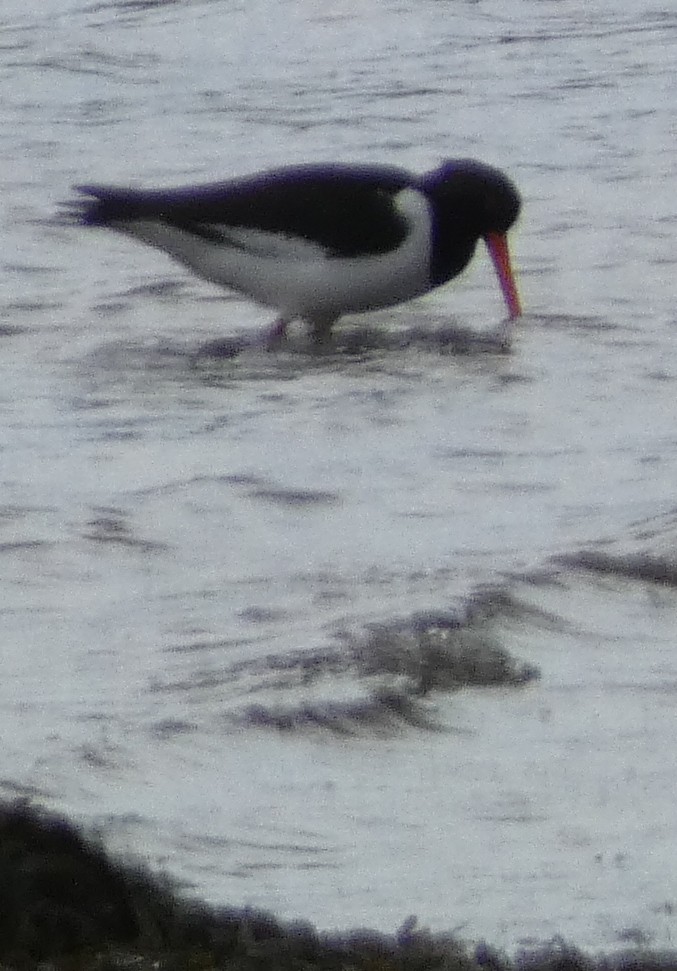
(321, 330)
(276, 333)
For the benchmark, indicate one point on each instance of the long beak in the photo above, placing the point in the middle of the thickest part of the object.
(497, 244)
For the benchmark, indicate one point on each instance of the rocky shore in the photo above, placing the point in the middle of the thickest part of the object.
(67, 905)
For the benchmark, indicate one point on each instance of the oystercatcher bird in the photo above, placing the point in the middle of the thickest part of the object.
(319, 241)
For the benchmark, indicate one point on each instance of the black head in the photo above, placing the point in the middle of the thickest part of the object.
(470, 201)
(478, 197)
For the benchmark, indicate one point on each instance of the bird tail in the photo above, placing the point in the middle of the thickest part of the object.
(104, 206)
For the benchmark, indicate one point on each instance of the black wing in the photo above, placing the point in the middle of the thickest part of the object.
(346, 209)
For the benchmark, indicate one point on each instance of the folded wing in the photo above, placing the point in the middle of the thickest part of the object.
(345, 211)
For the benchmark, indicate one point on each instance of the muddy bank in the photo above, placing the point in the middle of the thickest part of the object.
(67, 904)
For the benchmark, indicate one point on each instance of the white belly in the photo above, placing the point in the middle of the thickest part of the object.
(297, 277)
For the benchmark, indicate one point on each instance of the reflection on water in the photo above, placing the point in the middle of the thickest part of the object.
(264, 610)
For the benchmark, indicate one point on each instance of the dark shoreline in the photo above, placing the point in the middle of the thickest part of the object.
(67, 904)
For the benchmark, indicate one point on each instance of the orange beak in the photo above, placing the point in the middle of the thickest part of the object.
(497, 244)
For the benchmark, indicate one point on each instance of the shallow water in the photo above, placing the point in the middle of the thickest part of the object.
(235, 590)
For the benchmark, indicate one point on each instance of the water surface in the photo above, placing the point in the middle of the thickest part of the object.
(274, 622)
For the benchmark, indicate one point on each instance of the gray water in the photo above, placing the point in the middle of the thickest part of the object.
(234, 592)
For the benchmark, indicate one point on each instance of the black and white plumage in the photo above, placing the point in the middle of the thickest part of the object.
(319, 241)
